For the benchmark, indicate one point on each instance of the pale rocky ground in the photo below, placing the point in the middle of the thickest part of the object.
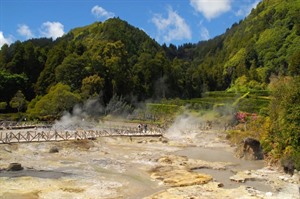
(195, 164)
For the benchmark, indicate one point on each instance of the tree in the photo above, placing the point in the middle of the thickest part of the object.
(10, 84)
(18, 101)
(294, 65)
(91, 86)
(71, 71)
(56, 101)
(3, 106)
(47, 77)
(4, 55)
(284, 138)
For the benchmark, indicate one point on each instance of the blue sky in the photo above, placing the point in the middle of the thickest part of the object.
(167, 21)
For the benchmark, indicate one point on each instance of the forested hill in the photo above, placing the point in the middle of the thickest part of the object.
(115, 58)
(265, 43)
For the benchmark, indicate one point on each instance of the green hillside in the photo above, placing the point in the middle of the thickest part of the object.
(113, 58)
(265, 43)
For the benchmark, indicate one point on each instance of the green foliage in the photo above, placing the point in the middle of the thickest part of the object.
(257, 127)
(130, 63)
(31, 106)
(27, 58)
(3, 105)
(55, 102)
(284, 137)
(91, 86)
(10, 84)
(164, 112)
(242, 84)
(71, 71)
(294, 64)
(18, 101)
(47, 77)
(236, 60)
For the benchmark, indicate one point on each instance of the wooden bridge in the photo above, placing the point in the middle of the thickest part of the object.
(47, 135)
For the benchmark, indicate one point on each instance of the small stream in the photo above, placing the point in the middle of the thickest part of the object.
(34, 173)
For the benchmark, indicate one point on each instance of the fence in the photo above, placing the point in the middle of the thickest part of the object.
(36, 135)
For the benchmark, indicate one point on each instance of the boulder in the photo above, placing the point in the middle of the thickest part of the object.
(288, 165)
(175, 177)
(54, 149)
(250, 149)
(15, 167)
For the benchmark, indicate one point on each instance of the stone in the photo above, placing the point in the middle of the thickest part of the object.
(181, 177)
(176, 177)
(253, 147)
(241, 177)
(250, 149)
(288, 166)
(54, 149)
(15, 167)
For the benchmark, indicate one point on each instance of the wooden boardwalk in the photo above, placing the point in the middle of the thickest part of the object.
(48, 135)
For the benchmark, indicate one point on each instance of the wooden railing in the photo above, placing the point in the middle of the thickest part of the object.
(37, 135)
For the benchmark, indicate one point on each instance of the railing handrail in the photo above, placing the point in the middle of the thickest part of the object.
(36, 135)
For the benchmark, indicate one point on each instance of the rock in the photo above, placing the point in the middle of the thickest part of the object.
(180, 177)
(54, 149)
(250, 149)
(173, 160)
(165, 195)
(288, 165)
(253, 146)
(15, 167)
(163, 140)
(192, 164)
(241, 177)
(296, 178)
(247, 172)
(209, 190)
(283, 178)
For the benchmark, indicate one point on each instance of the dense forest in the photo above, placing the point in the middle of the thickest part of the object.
(113, 60)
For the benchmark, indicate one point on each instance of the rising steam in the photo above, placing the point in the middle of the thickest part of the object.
(184, 126)
(87, 116)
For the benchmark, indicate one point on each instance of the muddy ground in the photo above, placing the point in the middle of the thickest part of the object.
(192, 164)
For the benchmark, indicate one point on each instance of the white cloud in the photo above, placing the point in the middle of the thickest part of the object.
(246, 9)
(204, 33)
(211, 8)
(99, 12)
(25, 31)
(5, 40)
(52, 29)
(173, 27)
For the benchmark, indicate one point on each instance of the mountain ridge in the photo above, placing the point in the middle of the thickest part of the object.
(130, 63)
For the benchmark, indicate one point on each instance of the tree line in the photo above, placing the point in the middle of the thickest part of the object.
(114, 58)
